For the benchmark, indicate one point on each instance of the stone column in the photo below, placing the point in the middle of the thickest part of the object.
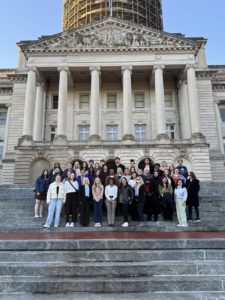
(127, 103)
(95, 104)
(7, 129)
(193, 102)
(62, 104)
(39, 112)
(29, 105)
(160, 102)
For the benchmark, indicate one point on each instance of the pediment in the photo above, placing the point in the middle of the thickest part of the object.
(110, 35)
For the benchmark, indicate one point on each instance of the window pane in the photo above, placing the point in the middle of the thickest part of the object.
(112, 132)
(140, 132)
(1, 151)
(55, 101)
(111, 101)
(224, 144)
(168, 100)
(53, 132)
(170, 130)
(139, 100)
(84, 133)
(222, 114)
(2, 118)
(84, 101)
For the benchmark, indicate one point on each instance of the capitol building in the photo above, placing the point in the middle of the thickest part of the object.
(112, 83)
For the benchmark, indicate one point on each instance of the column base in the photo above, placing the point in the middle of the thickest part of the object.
(198, 137)
(25, 140)
(128, 137)
(94, 138)
(60, 140)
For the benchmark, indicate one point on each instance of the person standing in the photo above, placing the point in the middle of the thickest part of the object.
(139, 195)
(193, 188)
(166, 194)
(127, 196)
(97, 192)
(56, 196)
(72, 200)
(180, 194)
(85, 201)
(41, 188)
(111, 192)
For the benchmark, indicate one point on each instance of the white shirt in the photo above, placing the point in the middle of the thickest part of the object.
(111, 191)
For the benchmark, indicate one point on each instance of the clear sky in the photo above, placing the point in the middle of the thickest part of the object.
(29, 19)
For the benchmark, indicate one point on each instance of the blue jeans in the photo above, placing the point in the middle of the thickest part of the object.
(97, 206)
(55, 206)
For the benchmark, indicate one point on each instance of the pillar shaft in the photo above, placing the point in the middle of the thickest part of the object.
(39, 113)
(62, 102)
(29, 104)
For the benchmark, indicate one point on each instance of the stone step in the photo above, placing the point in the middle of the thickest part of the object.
(113, 269)
(112, 255)
(189, 295)
(39, 284)
(58, 244)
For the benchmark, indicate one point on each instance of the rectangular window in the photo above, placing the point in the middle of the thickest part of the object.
(53, 132)
(111, 101)
(3, 118)
(1, 151)
(84, 132)
(222, 115)
(84, 101)
(55, 102)
(139, 100)
(112, 132)
(140, 132)
(168, 100)
(170, 131)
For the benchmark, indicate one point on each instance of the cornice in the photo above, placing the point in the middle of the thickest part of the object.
(6, 90)
(110, 36)
(18, 78)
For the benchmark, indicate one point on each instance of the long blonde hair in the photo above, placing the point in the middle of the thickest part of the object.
(97, 185)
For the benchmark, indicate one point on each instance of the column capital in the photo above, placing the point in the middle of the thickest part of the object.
(158, 67)
(190, 66)
(126, 68)
(95, 68)
(41, 84)
(33, 69)
(63, 68)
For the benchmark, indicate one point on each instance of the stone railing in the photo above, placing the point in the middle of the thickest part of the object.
(74, 143)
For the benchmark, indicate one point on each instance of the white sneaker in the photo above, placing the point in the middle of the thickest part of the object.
(184, 225)
(72, 224)
(125, 224)
(67, 224)
(56, 226)
(46, 226)
(36, 216)
(179, 225)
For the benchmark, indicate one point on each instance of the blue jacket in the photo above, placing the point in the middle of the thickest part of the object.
(41, 184)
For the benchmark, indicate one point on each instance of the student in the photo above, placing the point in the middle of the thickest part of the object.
(111, 192)
(193, 188)
(180, 194)
(56, 196)
(127, 196)
(72, 200)
(85, 201)
(41, 188)
(97, 192)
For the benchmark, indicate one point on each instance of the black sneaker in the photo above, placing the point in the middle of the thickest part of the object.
(197, 220)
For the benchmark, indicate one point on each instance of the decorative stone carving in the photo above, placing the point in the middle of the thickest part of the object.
(110, 34)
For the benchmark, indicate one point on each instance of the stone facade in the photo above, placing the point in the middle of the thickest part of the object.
(112, 88)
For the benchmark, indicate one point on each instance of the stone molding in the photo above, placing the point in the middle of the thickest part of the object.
(113, 35)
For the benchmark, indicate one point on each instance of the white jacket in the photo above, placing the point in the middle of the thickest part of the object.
(52, 192)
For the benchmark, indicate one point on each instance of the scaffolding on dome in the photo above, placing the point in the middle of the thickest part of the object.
(80, 12)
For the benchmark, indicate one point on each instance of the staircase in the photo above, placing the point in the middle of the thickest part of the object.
(17, 213)
(139, 269)
(108, 268)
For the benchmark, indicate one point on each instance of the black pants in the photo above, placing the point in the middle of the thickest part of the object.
(140, 207)
(190, 211)
(125, 211)
(71, 207)
(84, 211)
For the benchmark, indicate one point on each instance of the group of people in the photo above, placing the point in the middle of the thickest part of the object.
(148, 190)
